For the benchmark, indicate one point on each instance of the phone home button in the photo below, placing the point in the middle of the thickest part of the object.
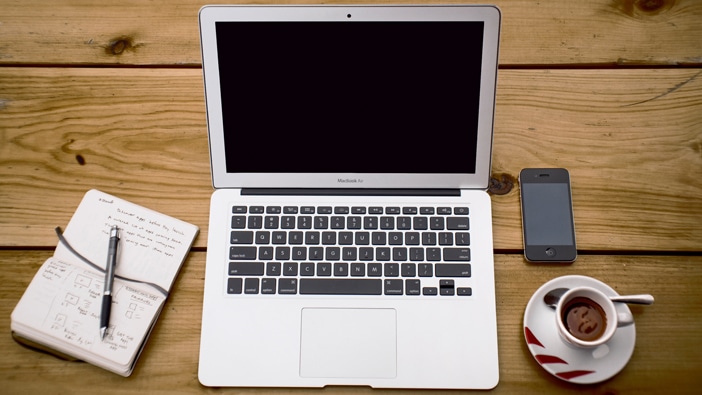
(550, 252)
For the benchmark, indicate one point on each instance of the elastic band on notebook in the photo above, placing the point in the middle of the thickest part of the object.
(66, 244)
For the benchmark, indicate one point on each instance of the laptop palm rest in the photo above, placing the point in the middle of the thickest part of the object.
(348, 343)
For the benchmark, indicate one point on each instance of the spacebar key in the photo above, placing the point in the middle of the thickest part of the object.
(340, 286)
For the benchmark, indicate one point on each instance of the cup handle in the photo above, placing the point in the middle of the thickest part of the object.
(625, 319)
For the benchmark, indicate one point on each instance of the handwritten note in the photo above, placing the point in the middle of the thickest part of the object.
(150, 246)
(72, 312)
(61, 307)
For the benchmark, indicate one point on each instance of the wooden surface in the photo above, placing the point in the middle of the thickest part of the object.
(108, 95)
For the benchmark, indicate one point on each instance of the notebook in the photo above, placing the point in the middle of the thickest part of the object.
(60, 310)
(350, 233)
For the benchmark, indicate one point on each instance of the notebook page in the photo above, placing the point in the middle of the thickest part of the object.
(152, 245)
(61, 308)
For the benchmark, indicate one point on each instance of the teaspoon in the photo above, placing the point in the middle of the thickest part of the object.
(552, 297)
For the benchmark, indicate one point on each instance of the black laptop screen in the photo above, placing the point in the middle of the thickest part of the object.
(355, 97)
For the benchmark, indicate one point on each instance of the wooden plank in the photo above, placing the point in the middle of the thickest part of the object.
(169, 362)
(630, 138)
(535, 32)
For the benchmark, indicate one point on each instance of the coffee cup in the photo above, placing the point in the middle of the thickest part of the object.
(587, 318)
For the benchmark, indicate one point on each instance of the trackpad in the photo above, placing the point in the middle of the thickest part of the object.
(348, 343)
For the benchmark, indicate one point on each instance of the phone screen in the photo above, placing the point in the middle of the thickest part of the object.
(547, 215)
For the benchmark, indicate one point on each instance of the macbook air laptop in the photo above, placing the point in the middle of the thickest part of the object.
(350, 233)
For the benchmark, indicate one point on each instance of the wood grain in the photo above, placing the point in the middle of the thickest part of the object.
(535, 32)
(631, 139)
(664, 359)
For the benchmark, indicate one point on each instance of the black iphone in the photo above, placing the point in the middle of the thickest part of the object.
(547, 215)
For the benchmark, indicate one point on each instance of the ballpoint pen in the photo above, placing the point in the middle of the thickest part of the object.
(109, 278)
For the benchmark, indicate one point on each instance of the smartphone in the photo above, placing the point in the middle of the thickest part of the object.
(547, 215)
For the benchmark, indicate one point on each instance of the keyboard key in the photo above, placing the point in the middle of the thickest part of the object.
(462, 238)
(273, 269)
(365, 253)
(391, 269)
(358, 269)
(239, 210)
(263, 237)
(399, 254)
(375, 270)
(234, 285)
(408, 269)
(452, 269)
(256, 209)
(413, 287)
(433, 254)
(307, 269)
(265, 253)
(387, 223)
(446, 287)
(404, 223)
(324, 269)
(279, 237)
(341, 269)
(242, 253)
(382, 254)
(304, 222)
(445, 238)
(457, 223)
(429, 291)
(341, 210)
(299, 254)
(273, 210)
(464, 291)
(456, 254)
(332, 253)
(268, 285)
(241, 237)
(393, 287)
(290, 269)
(255, 222)
(436, 223)
(287, 286)
(321, 222)
(251, 286)
(340, 286)
(324, 210)
(353, 222)
(420, 223)
(238, 222)
(245, 268)
(271, 222)
(460, 210)
(425, 270)
(416, 254)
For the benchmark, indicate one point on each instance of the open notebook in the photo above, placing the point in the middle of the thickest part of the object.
(60, 310)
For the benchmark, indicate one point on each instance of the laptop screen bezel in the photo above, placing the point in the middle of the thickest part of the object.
(489, 15)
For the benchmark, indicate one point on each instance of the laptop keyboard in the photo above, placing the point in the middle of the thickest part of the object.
(324, 250)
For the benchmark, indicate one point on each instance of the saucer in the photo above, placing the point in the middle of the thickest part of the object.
(565, 361)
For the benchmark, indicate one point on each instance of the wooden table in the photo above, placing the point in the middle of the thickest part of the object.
(108, 95)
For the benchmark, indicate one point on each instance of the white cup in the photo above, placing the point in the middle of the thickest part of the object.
(587, 318)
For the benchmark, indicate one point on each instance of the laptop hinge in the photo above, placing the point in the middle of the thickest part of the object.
(350, 192)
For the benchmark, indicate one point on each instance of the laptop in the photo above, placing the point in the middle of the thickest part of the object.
(350, 231)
